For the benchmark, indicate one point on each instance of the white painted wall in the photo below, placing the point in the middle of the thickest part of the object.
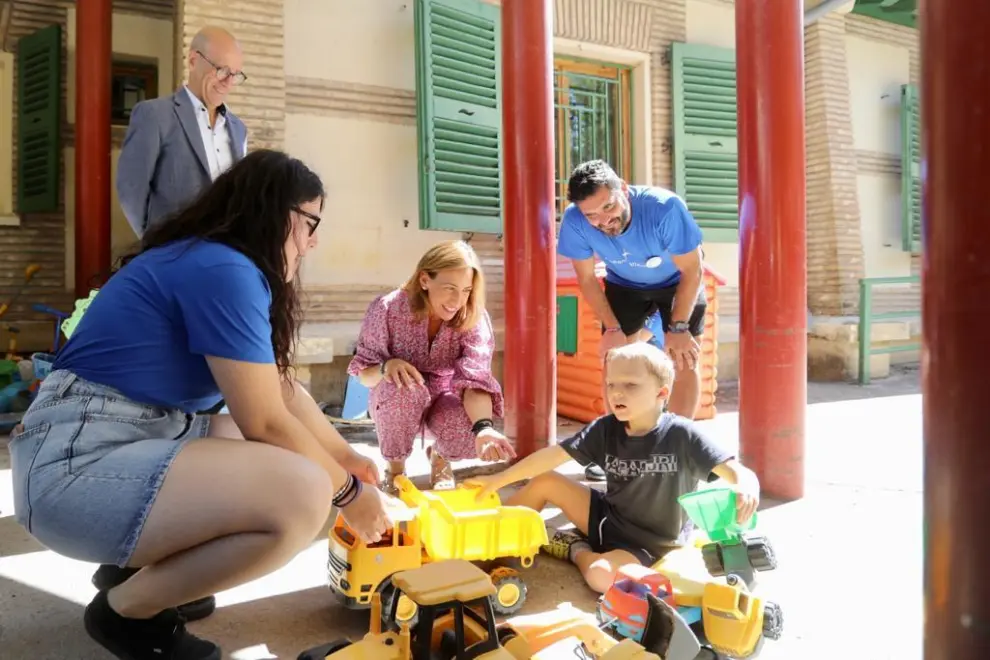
(876, 72)
(368, 166)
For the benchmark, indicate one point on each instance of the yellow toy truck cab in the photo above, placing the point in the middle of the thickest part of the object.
(736, 622)
(456, 621)
(438, 525)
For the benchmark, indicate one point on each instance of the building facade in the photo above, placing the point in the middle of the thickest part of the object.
(647, 84)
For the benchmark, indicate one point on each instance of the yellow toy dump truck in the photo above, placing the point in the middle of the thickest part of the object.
(439, 525)
(456, 619)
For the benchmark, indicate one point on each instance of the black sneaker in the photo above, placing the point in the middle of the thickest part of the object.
(162, 637)
(108, 576)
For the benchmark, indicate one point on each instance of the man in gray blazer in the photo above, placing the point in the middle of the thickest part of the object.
(177, 145)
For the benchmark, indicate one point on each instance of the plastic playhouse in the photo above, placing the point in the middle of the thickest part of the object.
(579, 367)
(439, 525)
(456, 619)
(711, 591)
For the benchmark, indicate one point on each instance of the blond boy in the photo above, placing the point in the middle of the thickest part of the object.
(650, 459)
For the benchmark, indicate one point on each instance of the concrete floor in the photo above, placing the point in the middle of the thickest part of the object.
(852, 542)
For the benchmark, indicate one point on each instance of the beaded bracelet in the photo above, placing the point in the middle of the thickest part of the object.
(348, 492)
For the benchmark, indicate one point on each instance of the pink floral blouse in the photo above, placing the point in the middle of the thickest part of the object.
(457, 360)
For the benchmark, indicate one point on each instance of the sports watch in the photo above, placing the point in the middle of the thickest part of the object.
(678, 327)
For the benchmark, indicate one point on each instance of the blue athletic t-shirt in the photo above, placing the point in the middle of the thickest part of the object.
(148, 329)
(640, 257)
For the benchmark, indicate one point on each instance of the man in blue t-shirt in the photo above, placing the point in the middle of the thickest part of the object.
(651, 247)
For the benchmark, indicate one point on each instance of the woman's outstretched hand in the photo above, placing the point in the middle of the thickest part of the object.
(493, 446)
(367, 515)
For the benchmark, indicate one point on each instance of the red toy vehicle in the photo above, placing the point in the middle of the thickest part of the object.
(625, 601)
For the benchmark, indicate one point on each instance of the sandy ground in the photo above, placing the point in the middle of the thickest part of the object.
(853, 540)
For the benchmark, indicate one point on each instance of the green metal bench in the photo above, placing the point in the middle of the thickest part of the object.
(867, 318)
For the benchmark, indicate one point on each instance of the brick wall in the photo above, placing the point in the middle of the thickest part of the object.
(835, 249)
(40, 238)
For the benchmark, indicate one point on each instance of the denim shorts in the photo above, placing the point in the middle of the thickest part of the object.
(89, 463)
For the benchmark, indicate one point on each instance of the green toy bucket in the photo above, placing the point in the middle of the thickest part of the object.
(7, 370)
(714, 511)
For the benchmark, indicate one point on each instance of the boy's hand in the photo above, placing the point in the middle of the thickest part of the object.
(747, 501)
(487, 485)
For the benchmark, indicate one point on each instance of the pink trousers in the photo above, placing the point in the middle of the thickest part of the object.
(402, 414)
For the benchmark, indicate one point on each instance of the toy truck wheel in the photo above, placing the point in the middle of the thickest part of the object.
(321, 652)
(712, 555)
(510, 591)
(407, 612)
(761, 555)
(773, 621)
(707, 653)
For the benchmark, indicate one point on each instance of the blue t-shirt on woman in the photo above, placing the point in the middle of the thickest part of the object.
(150, 327)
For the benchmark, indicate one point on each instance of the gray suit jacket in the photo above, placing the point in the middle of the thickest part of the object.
(163, 163)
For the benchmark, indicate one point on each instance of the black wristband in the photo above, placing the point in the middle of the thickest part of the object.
(481, 425)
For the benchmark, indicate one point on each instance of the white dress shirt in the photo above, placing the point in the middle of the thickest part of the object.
(216, 139)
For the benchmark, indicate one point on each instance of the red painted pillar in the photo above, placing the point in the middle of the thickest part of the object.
(528, 185)
(773, 363)
(955, 102)
(93, 62)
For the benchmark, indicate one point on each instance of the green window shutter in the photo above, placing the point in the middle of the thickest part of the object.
(567, 324)
(910, 169)
(458, 94)
(39, 120)
(705, 148)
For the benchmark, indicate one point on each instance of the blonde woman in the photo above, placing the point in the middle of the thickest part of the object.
(425, 350)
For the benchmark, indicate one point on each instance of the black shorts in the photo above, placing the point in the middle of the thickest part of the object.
(632, 307)
(603, 535)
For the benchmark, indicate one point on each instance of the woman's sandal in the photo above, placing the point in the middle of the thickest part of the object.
(441, 472)
(388, 483)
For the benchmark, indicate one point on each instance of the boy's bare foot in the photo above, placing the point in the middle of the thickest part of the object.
(564, 544)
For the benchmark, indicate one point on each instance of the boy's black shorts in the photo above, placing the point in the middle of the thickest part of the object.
(603, 535)
(633, 306)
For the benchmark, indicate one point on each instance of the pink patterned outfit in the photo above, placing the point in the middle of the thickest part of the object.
(456, 361)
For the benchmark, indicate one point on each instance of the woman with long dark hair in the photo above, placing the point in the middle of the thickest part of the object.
(113, 464)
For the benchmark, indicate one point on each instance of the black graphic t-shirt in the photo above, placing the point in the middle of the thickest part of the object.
(646, 474)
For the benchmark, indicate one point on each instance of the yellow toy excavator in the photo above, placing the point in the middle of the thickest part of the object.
(456, 621)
